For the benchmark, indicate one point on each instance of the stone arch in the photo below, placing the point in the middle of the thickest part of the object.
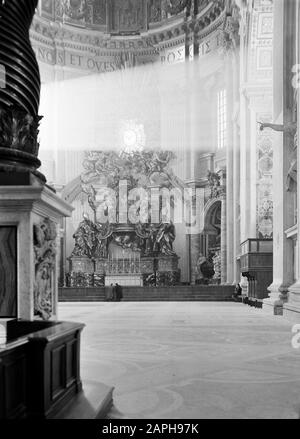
(210, 239)
(212, 215)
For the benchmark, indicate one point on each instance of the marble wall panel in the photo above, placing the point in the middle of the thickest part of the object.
(8, 272)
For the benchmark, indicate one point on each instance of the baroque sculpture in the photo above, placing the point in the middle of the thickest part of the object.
(157, 239)
(147, 232)
(289, 128)
(214, 181)
(75, 9)
(205, 268)
(139, 168)
(44, 241)
(96, 239)
(91, 239)
(164, 240)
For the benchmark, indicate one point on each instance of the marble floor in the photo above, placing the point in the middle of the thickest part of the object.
(190, 359)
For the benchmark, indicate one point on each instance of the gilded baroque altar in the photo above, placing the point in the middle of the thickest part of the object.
(112, 245)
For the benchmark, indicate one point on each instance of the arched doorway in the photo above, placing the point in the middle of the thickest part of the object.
(210, 239)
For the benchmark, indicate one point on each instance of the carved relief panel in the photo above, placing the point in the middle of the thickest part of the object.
(8, 271)
(264, 181)
(44, 241)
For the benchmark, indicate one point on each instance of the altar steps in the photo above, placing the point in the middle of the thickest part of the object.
(196, 293)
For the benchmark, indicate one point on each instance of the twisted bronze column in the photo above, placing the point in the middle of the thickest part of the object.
(20, 91)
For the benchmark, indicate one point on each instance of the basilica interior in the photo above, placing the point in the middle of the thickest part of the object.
(150, 144)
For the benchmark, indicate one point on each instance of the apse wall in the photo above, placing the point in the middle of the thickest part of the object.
(168, 108)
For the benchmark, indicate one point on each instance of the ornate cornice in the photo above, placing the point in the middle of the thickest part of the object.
(190, 25)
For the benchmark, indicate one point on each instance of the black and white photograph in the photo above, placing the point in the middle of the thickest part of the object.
(149, 213)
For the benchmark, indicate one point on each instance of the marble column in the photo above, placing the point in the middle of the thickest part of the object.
(283, 270)
(194, 236)
(234, 118)
(26, 203)
(233, 162)
(223, 239)
(195, 135)
(19, 98)
(244, 168)
(229, 49)
(291, 309)
(229, 169)
(236, 196)
(283, 219)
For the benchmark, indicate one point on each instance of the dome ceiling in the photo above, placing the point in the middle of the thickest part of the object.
(106, 35)
(119, 17)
